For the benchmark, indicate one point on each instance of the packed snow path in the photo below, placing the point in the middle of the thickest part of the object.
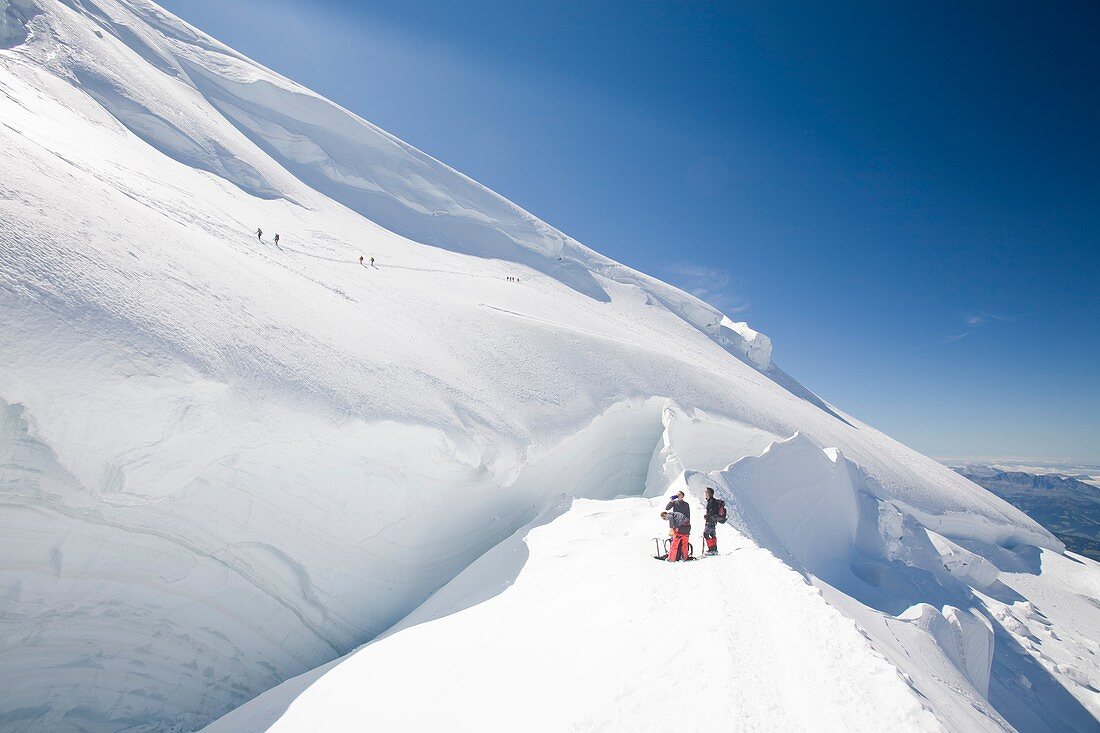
(575, 608)
(223, 464)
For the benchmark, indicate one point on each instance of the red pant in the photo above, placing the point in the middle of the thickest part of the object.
(678, 550)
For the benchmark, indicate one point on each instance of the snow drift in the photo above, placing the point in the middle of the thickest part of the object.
(224, 462)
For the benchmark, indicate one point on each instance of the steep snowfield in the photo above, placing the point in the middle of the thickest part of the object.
(224, 462)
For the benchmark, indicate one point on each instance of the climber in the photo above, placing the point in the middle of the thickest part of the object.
(260, 234)
(360, 259)
(276, 239)
(372, 262)
(678, 529)
(676, 503)
(710, 521)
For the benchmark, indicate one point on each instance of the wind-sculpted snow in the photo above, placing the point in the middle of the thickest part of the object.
(224, 462)
(14, 17)
(937, 640)
(930, 605)
(386, 180)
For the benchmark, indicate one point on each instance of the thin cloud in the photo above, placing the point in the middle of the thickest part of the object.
(980, 319)
(718, 278)
(974, 321)
(710, 284)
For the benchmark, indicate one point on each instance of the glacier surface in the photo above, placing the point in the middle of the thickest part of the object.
(226, 462)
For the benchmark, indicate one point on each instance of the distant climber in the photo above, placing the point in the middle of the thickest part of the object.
(716, 512)
(260, 234)
(678, 529)
(677, 504)
(276, 239)
(360, 259)
(372, 262)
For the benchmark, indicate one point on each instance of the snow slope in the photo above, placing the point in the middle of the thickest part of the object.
(224, 462)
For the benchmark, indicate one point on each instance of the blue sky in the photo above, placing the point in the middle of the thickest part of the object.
(904, 196)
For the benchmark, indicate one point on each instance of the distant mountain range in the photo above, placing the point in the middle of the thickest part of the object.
(1068, 507)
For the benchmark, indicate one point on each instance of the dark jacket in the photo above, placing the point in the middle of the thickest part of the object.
(679, 505)
(712, 510)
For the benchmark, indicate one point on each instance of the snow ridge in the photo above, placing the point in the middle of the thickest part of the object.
(225, 462)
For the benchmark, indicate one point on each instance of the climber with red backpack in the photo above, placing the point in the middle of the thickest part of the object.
(715, 514)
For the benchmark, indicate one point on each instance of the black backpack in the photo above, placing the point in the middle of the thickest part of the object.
(721, 511)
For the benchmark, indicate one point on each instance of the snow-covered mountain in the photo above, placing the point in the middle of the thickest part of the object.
(226, 462)
(1067, 506)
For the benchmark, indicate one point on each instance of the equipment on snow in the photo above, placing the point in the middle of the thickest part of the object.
(662, 552)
